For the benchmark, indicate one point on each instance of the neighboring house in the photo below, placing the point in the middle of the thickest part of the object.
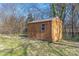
(47, 29)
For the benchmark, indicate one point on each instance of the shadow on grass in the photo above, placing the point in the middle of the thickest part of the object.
(69, 45)
(10, 51)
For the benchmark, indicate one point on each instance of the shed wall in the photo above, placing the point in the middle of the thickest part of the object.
(56, 29)
(34, 30)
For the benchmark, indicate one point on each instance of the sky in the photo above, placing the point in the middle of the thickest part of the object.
(23, 9)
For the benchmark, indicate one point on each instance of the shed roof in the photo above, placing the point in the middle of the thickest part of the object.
(42, 20)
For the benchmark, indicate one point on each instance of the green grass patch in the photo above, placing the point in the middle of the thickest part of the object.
(16, 46)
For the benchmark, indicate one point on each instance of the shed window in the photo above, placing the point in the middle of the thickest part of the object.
(43, 27)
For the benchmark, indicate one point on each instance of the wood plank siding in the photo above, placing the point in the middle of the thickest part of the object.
(36, 33)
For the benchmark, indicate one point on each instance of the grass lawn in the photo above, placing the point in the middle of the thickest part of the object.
(17, 46)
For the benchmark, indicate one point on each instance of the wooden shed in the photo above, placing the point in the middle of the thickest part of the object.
(47, 29)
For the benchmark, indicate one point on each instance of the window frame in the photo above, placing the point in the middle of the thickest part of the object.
(43, 27)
